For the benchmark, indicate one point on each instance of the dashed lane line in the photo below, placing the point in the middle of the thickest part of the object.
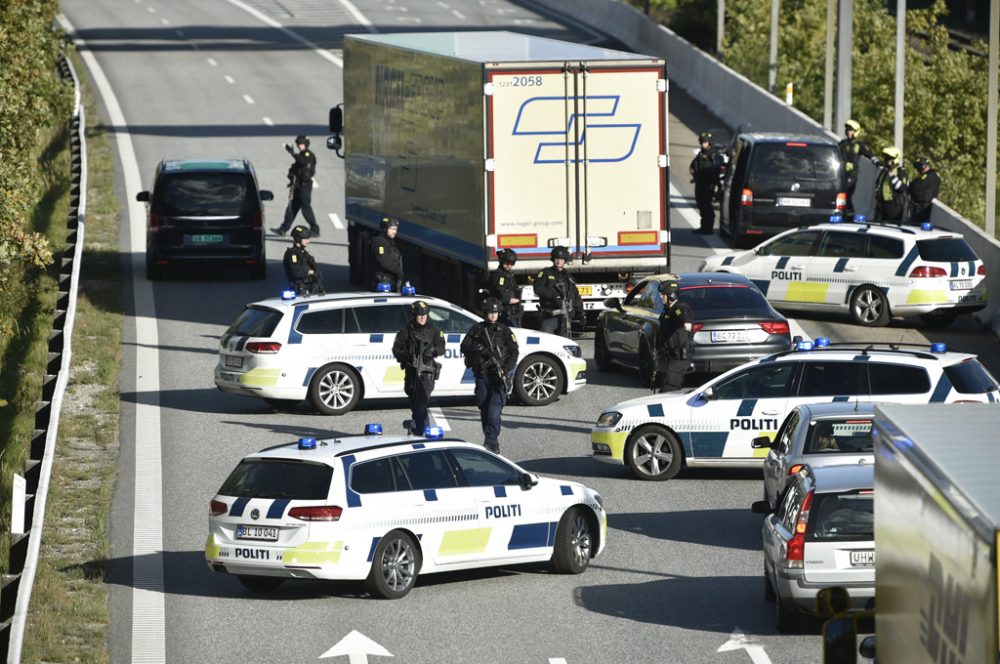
(335, 220)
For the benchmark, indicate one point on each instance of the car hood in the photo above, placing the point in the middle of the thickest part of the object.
(713, 263)
(680, 398)
(527, 337)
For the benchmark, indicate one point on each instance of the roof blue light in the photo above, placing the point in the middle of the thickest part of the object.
(804, 345)
(821, 342)
(836, 218)
(307, 443)
(860, 218)
(373, 429)
(287, 295)
(433, 432)
(407, 289)
(939, 347)
(927, 226)
(382, 287)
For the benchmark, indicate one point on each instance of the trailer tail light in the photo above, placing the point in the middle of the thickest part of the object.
(263, 347)
(317, 513)
(841, 202)
(217, 508)
(777, 327)
(796, 548)
(927, 271)
(746, 197)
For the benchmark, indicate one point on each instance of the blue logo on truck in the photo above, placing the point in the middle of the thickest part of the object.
(608, 142)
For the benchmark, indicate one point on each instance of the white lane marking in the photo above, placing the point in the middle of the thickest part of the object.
(739, 641)
(212, 62)
(165, 21)
(409, 19)
(358, 16)
(321, 52)
(268, 121)
(335, 220)
(229, 79)
(439, 418)
(151, 10)
(443, 5)
(583, 27)
(557, 660)
(357, 647)
(248, 99)
(148, 641)
(459, 15)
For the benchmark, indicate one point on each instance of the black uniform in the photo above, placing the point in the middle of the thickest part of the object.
(491, 351)
(891, 194)
(705, 172)
(673, 346)
(387, 262)
(851, 151)
(415, 348)
(300, 186)
(923, 190)
(298, 262)
(504, 287)
(558, 300)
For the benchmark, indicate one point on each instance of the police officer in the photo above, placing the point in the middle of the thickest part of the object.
(490, 350)
(673, 339)
(300, 186)
(852, 148)
(415, 348)
(503, 286)
(558, 299)
(705, 175)
(387, 262)
(300, 267)
(923, 190)
(891, 194)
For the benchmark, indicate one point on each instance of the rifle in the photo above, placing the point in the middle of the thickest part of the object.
(415, 358)
(565, 311)
(493, 364)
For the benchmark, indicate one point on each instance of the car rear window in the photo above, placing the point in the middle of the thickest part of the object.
(777, 166)
(946, 250)
(840, 437)
(842, 517)
(716, 301)
(204, 194)
(278, 478)
(255, 322)
(970, 377)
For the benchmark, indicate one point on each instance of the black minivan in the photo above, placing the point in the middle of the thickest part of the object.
(205, 212)
(780, 181)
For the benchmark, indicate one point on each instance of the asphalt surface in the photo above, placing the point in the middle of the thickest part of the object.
(682, 570)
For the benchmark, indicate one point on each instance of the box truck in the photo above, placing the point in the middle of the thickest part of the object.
(479, 141)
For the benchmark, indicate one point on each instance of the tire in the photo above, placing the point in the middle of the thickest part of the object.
(786, 620)
(574, 543)
(646, 367)
(769, 594)
(653, 453)
(869, 307)
(260, 584)
(602, 356)
(335, 390)
(538, 381)
(940, 318)
(281, 405)
(153, 272)
(395, 566)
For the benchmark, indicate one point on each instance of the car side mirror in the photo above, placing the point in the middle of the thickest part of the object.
(613, 303)
(266, 195)
(528, 480)
(337, 119)
(761, 507)
(142, 197)
(840, 637)
(867, 647)
(761, 442)
(708, 394)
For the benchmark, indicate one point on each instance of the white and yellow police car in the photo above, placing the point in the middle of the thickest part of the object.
(872, 271)
(713, 425)
(386, 509)
(336, 350)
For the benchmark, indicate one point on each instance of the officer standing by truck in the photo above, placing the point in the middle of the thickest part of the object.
(673, 339)
(558, 298)
(503, 286)
(386, 261)
(301, 271)
(491, 351)
(705, 175)
(300, 186)
(415, 348)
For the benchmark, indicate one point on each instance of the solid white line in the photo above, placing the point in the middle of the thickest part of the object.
(443, 5)
(335, 220)
(212, 62)
(439, 418)
(268, 121)
(148, 641)
(229, 79)
(358, 16)
(557, 660)
(321, 52)
(459, 15)
(248, 99)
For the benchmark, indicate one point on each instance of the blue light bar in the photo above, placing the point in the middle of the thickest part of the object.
(860, 218)
(804, 345)
(836, 218)
(373, 429)
(407, 289)
(821, 342)
(939, 347)
(927, 226)
(433, 432)
(307, 443)
(383, 287)
(287, 295)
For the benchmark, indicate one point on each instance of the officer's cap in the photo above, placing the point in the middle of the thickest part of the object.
(419, 308)
(388, 223)
(302, 139)
(560, 252)
(301, 233)
(921, 161)
(507, 256)
(491, 305)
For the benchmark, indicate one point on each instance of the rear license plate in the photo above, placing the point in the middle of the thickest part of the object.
(585, 290)
(862, 558)
(730, 336)
(263, 533)
(961, 284)
(787, 201)
(206, 239)
(234, 362)
(229, 377)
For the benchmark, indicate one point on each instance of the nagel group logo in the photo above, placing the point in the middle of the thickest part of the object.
(605, 141)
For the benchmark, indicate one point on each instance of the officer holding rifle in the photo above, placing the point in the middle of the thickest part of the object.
(415, 348)
(491, 351)
(558, 298)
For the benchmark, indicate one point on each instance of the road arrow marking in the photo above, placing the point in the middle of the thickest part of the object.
(356, 646)
(739, 641)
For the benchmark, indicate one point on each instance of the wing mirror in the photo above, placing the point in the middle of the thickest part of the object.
(708, 394)
(761, 442)
(142, 197)
(528, 480)
(613, 303)
(266, 195)
(336, 141)
(761, 507)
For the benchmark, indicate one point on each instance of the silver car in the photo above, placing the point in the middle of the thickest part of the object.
(822, 535)
(818, 434)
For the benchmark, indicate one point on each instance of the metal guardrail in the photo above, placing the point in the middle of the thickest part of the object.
(15, 593)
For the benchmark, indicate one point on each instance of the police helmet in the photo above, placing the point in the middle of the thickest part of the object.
(302, 139)
(300, 233)
(419, 308)
(491, 305)
(705, 137)
(560, 252)
(853, 125)
(507, 256)
(670, 288)
(387, 223)
(891, 153)
(921, 162)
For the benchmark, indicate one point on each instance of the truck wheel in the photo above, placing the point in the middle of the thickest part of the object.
(769, 594)
(394, 567)
(154, 272)
(602, 356)
(653, 453)
(538, 381)
(869, 307)
(574, 543)
(335, 390)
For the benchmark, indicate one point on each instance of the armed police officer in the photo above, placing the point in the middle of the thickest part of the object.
(300, 186)
(490, 350)
(673, 339)
(415, 348)
(558, 299)
(891, 193)
(503, 286)
(301, 271)
(924, 188)
(386, 261)
(705, 175)
(852, 149)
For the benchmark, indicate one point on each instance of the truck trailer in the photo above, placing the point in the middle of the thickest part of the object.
(480, 141)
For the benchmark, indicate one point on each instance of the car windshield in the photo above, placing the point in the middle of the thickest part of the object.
(946, 250)
(718, 301)
(278, 478)
(203, 194)
(795, 167)
(255, 322)
(852, 436)
(842, 517)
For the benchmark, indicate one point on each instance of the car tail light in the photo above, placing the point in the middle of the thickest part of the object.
(746, 198)
(841, 202)
(796, 144)
(796, 549)
(318, 513)
(263, 347)
(794, 468)
(777, 327)
(925, 271)
(154, 221)
(696, 327)
(981, 271)
(258, 220)
(218, 507)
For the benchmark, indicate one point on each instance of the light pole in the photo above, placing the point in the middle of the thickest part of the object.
(991, 122)
(845, 39)
(900, 74)
(831, 26)
(720, 27)
(772, 69)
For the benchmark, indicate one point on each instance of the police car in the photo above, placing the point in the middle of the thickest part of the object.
(386, 509)
(336, 350)
(872, 271)
(715, 424)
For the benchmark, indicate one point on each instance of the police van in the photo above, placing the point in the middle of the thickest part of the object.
(336, 350)
(387, 508)
(714, 425)
(872, 271)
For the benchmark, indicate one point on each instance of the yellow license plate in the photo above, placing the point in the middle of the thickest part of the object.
(585, 290)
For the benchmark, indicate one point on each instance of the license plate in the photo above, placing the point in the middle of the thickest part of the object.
(730, 336)
(234, 362)
(206, 239)
(229, 377)
(787, 201)
(862, 558)
(961, 284)
(263, 533)
(585, 290)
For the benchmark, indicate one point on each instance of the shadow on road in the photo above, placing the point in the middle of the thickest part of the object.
(726, 528)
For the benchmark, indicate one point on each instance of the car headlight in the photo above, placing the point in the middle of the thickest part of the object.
(609, 419)
(574, 350)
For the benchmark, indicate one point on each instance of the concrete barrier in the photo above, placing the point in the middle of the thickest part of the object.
(738, 101)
